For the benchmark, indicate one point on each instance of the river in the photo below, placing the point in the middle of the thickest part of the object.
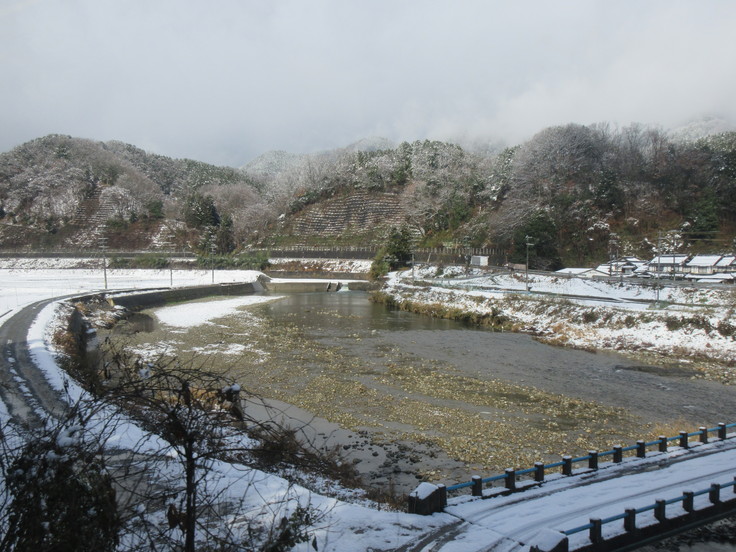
(423, 398)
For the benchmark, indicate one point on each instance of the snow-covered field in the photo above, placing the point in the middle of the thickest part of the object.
(681, 322)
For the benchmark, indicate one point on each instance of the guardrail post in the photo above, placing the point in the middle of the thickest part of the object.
(477, 489)
(427, 499)
(703, 434)
(641, 449)
(412, 503)
(687, 501)
(563, 545)
(510, 479)
(618, 454)
(596, 533)
(722, 431)
(659, 510)
(539, 471)
(662, 443)
(593, 460)
(714, 495)
(630, 520)
(684, 440)
(567, 465)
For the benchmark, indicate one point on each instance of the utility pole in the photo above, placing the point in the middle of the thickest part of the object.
(526, 269)
(213, 248)
(170, 247)
(659, 260)
(612, 254)
(103, 246)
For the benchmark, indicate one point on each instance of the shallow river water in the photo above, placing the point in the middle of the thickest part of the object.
(422, 398)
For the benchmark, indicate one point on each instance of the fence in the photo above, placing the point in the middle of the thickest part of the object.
(424, 502)
(455, 255)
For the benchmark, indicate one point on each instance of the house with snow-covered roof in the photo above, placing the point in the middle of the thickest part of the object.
(623, 266)
(668, 264)
(727, 264)
(702, 264)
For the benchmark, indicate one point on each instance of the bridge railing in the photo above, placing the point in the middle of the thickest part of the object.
(427, 503)
(718, 507)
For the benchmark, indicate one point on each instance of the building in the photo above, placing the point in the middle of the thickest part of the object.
(670, 264)
(727, 265)
(702, 264)
(623, 266)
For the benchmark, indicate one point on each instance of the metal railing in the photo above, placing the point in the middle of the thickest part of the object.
(593, 457)
(659, 508)
(435, 502)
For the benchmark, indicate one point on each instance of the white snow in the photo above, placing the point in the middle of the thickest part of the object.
(343, 526)
(424, 490)
(587, 313)
(704, 260)
(349, 527)
(22, 284)
(334, 265)
(565, 503)
(195, 314)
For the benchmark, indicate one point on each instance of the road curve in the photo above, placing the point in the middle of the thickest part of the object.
(24, 389)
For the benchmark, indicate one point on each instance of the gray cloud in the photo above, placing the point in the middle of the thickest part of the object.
(225, 81)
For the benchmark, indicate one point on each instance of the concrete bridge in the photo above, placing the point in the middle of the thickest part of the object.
(613, 500)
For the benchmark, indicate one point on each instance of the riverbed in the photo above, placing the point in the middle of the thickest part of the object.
(411, 397)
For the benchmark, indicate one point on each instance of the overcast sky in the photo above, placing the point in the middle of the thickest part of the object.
(226, 80)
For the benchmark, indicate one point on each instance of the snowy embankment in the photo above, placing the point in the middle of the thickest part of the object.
(342, 525)
(328, 265)
(684, 322)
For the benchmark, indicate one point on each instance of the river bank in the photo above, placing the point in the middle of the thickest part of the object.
(672, 326)
(417, 398)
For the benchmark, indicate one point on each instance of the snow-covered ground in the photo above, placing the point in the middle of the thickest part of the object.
(343, 526)
(24, 281)
(679, 321)
(356, 526)
(328, 265)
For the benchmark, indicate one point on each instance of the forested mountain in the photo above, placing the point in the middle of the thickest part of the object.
(580, 193)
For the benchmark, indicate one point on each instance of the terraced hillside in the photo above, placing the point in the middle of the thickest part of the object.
(359, 214)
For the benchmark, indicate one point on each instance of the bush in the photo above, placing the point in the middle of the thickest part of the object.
(590, 316)
(245, 261)
(62, 497)
(146, 261)
(726, 329)
(394, 255)
(379, 267)
(699, 322)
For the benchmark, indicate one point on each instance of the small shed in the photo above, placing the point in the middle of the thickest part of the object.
(479, 260)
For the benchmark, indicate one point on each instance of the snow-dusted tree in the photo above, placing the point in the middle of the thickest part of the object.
(58, 492)
(195, 411)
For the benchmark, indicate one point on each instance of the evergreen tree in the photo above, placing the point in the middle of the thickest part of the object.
(224, 238)
(540, 231)
(200, 211)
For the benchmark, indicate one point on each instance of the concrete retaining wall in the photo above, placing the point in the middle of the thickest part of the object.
(157, 298)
